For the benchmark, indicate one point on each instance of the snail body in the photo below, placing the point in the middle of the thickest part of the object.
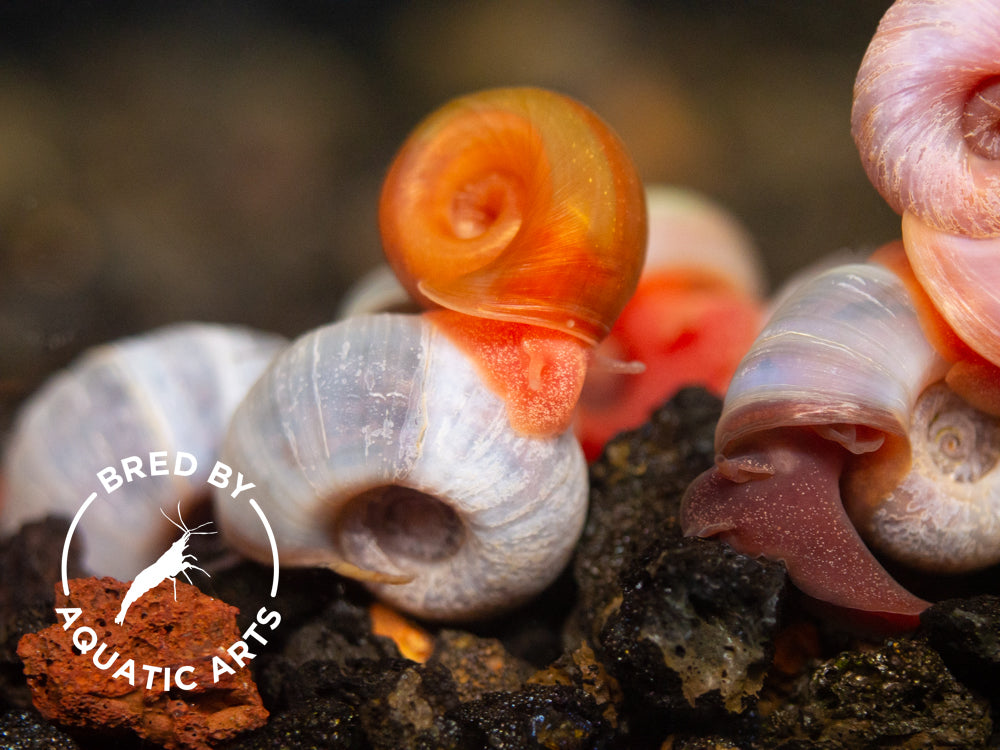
(167, 391)
(868, 407)
(830, 382)
(378, 452)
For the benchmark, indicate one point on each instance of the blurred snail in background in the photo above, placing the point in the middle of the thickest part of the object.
(697, 308)
(170, 390)
(428, 455)
(867, 408)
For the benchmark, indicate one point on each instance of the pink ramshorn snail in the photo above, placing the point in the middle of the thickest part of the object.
(867, 406)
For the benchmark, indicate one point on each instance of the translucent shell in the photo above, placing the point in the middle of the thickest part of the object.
(518, 205)
(816, 434)
(846, 348)
(170, 390)
(378, 452)
(925, 113)
(944, 515)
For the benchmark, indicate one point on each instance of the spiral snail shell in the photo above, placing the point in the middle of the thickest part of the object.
(925, 123)
(170, 390)
(829, 435)
(925, 113)
(517, 204)
(378, 452)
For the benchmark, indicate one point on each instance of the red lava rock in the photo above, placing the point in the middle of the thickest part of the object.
(190, 637)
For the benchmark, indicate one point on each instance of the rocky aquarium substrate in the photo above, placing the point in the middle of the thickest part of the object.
(649, 640)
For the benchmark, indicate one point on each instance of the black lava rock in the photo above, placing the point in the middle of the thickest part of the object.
(26, 730)
(539, 716)
(31, 562)
(966, 632)
(692, 637)
(635, 493)
(899, 695)
(685, 626)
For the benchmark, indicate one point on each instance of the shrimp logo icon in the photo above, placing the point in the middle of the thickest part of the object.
(166, 567)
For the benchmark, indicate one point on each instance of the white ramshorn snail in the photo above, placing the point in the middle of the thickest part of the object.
(170, 390)
(377, 451)
(435, 448)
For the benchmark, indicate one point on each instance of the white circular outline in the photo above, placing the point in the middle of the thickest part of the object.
(93, 496)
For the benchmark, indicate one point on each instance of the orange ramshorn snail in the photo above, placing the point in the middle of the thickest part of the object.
(427, 449)
(867, 408)
(519, 214)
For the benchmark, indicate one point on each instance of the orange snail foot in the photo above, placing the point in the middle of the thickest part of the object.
(538, 371)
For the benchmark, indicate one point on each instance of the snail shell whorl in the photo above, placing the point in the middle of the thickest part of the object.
(845, 348)
(374, 444)
(961, 275)
(925, 113)
(944, 516)
(170, 390)
(519, 205)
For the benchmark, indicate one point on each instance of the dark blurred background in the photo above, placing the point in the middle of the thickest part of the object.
(222, 161)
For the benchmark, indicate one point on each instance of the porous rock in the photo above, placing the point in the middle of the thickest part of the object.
(68, 689)
(582, 670)
(478, 665)
(26, 730)
(686, 626)
(635, 492)
(692, 636)
(535, 717)
(966, 632)
(385, 703)
(899, 695)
